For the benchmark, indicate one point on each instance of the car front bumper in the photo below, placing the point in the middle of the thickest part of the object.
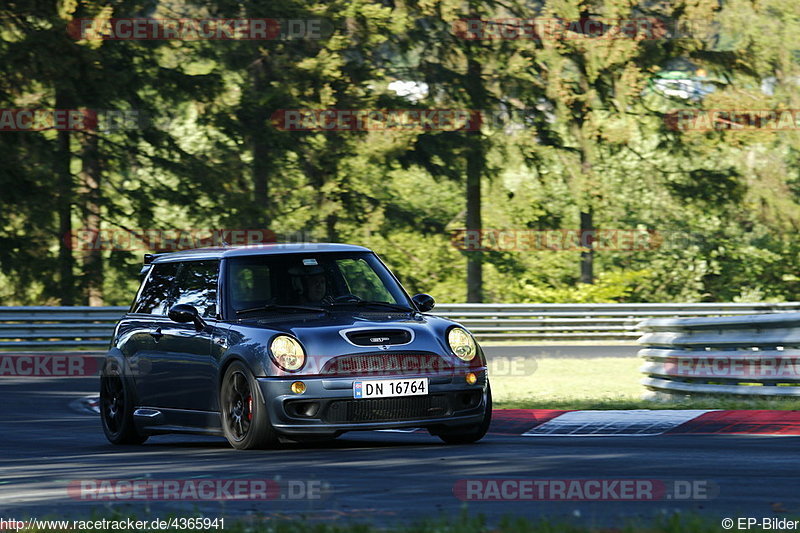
(327, 407)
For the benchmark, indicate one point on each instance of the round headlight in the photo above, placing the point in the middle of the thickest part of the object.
(462, 344)
(288, 353)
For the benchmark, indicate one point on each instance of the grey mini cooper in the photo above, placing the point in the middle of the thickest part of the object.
(300, 341)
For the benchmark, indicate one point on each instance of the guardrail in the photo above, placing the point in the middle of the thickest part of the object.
(92, 327)
(58, 327)
(610, 322)
(756, 355)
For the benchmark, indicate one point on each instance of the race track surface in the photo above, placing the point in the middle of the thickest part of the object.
(48, 446)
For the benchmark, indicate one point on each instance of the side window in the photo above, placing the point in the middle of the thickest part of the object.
(362, 281)
(197, 286)
(158, 290)
(251, 284)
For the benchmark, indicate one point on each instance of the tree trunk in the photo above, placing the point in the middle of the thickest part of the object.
(330, 227)
(589, 194)
(260, 149)
(90, 177)
(476, 163)
(260, 181)
(587, 244)
(64, 190)
(474, 222)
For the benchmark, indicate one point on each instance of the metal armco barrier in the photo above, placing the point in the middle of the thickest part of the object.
(611, 322)
(58, 327)
(756, 355)
(92, 327)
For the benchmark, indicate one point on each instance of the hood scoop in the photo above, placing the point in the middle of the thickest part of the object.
(378, 337)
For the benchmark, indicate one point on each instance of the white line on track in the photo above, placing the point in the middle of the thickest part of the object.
(614, 423)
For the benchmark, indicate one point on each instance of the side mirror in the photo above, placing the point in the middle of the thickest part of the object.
(424, 302)
(183, 313)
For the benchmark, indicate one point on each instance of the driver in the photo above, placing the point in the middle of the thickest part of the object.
(316, 289)
(311, 285)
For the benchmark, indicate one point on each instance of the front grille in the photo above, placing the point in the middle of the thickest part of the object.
(377, 337)
(387, 409)
(386, 363)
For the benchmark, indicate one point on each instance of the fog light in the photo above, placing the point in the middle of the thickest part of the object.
(472, 378)
(298, 387)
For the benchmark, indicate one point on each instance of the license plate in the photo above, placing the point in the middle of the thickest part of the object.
(386, 388)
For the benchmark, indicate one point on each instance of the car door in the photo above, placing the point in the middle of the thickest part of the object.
(143, 334)
(186, 365)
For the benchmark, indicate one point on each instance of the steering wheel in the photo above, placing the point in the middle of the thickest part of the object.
(347, 298)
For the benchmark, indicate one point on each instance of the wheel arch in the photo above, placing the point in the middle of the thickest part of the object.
(227, 362)
(115, 360)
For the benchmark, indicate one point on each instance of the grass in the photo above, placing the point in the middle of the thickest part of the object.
(603, 383)
(464, 523)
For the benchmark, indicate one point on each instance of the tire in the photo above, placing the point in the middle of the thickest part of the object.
(468, 435)
(116, 411)
(245, 420)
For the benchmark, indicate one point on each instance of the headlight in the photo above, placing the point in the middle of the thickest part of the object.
(288, 353)
(462, 344)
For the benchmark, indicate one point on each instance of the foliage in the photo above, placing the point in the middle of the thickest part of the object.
(570, 127)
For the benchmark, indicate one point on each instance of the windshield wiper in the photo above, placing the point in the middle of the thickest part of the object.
(364, 303)
(278, 307)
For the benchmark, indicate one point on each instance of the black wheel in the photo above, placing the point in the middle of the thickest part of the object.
(244, 413)
(470, 434)
(116, 411)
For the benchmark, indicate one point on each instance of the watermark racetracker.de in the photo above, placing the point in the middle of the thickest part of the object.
(48, 365)
(209, 489)
(377, 119)
(585, 28)
(604, 239)
(173, 239)
(199, 29)
(43, 119)
(733, 120)
(733, 367)
(383, 364)
(503, 118)
(36, 119)
(526, 490)
(398, 363)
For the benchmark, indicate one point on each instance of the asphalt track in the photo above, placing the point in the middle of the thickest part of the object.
(377, 477)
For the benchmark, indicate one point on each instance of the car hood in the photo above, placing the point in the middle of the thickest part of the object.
(325, 336)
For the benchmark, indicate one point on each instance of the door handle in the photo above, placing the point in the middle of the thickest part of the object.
(156, 334)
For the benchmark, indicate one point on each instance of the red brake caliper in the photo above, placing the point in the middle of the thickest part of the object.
(250, 408)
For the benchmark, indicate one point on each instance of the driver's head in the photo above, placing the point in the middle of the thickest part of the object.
(316, 287)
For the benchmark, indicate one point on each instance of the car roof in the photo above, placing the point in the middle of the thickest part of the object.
(253, 250)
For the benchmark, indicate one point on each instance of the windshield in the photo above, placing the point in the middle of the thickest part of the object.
(274, 283)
